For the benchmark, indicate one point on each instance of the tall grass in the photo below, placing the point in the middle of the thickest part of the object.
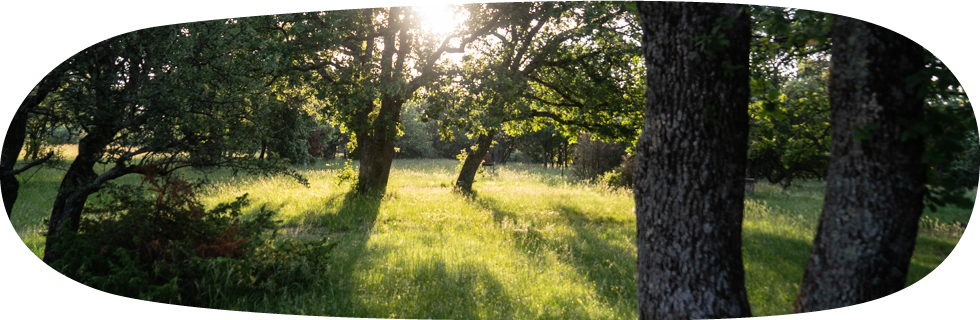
(529, 243)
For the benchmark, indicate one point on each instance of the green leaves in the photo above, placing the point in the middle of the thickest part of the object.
(790, 124)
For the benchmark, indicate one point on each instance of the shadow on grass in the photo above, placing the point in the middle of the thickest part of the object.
(778, 256)
(609, 268)
(347, 220)
(440, 289)
(774, 267)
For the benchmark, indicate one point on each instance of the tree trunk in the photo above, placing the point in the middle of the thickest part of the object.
(262, 153)
(473, 160)
(375, 156)
(377, 148)
(74, 190)
(876, 180)
(12, 144)
(690, 164)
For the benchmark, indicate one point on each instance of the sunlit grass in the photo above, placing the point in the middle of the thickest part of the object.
(529, 243)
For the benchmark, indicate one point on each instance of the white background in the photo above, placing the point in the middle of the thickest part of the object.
(38, 35)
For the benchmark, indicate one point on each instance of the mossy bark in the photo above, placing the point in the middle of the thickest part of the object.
(690, 162)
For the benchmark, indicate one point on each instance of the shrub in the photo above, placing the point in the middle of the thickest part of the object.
(593, 158)
(518, 156)
(164, 246)
(621, 176)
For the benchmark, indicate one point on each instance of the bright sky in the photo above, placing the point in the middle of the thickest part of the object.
(440, 19)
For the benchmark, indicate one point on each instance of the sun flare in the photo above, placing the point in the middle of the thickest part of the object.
(439, 19)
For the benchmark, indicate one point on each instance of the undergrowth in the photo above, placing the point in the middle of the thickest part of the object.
(165, 246)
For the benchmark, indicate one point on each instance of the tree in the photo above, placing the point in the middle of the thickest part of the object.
(156, 100)
(790, 134)
(876, 181)
(13, 141)
(417, 136)
(364, 65)
(789, 113)
(567, 63)
(690, 161)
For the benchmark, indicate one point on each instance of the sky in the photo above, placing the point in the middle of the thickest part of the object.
(39, 35)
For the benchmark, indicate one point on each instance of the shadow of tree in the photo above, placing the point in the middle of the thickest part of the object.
(440, 289)
(609, 268)
(773, 270)
(348, 222)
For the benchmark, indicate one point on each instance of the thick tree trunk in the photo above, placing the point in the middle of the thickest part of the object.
(375, 156)
(76, 186)
(377, 148)
(690, 165)
(876, 180)
(467, 174)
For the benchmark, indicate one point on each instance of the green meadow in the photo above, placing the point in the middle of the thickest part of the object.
(529, 243)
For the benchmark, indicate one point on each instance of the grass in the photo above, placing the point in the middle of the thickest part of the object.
(528, 244)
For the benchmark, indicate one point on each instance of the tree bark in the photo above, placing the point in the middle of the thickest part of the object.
(474, 158)
(376, 148)
(13, 141)
(876, 180)
(12, 144)
(76, 186)
(690, 164)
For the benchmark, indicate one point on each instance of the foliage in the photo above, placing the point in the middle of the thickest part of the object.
(519, 157)
(950, 131)
(570, 65)
(621, 176)
(790, 127)
(167, 247)
(545, 144)
(789, 112)
(324, 141)
(965, 167)
(346, 174)
(418, 134)
(290, 131)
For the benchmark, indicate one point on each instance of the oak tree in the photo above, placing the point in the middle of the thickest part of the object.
(876, 180)
(690, 161)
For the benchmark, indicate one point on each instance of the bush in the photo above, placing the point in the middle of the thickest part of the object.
(593, 158)
(165, 247)
(518, 156)
(621, 176)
